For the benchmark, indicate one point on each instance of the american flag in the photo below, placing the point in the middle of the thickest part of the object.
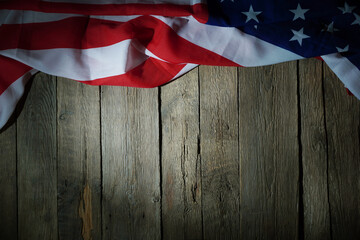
(146, 43)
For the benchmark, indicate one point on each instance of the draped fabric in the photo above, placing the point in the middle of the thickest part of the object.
(143, 43)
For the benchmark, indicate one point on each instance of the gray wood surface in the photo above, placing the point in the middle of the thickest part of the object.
(131, 170)
(8, 190)
(269, 152)
(36, 152)
(78, 160)
(316, 209)
(180, 159)
(221, 153)
(342, 125)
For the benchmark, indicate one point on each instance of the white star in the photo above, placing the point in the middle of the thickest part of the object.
(357, 20)
(347, 8)
(345, 49)
(299, 36)
(330, 28)
(251, 14)
(299, 12)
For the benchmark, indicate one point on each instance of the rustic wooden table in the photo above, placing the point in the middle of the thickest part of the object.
(221, 153)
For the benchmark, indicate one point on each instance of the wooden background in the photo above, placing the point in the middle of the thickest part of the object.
(221, 153)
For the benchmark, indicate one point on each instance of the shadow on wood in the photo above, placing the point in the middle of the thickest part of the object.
(221, 153)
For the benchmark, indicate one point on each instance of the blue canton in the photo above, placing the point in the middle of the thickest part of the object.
(307, 28)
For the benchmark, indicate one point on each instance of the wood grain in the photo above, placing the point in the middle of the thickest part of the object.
(342, 125)
(36, 151)
(219, 152)
(131, 169)
(79, 160)
(8, 188)
(181, 179)
(269, 152)
(314, 151)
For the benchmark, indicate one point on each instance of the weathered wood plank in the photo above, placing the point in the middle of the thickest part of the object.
(181, 179)
(131, 169)
(36, 150)
(219, 152)
(8, 196)
(314, 151)
(79, 161)
(269, 152)
(342, 126)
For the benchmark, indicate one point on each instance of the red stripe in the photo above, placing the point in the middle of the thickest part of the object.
(74, 32)
(10, 71)
(199, 11)
(84, 32)
(151, 73)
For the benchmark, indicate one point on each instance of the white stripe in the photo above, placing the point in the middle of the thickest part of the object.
(20, 17)
(82, 64)
(230, 43)
(10, 97)
(347, 72)
(186, 69)
(177, 2)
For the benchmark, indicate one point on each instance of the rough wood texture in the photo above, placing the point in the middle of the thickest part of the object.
(219, 152)
(342, 123)
(79, 161)
(8, 193)
(255, 153)
(131, 170)
(269, 152)
(181, 180)
(36, 151)
(314, 151)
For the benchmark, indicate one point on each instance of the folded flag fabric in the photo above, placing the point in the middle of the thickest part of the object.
(146, 43)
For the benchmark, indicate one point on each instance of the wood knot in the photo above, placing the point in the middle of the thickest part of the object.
(85, 213)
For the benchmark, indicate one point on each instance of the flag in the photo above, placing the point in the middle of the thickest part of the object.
(147, 43)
